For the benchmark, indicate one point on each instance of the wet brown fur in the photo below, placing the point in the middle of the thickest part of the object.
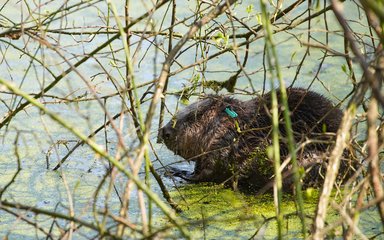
(206, 134)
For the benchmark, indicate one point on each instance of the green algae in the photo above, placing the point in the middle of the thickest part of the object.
(214, 212)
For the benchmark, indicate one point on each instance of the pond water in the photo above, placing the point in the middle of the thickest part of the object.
(39, 142)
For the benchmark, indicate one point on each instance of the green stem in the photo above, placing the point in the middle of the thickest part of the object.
(273, 60)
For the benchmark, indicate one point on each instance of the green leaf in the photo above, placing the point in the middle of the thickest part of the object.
(249, 9)
(258, 19)
(344, 68)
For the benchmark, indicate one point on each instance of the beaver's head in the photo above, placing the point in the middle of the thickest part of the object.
(200, 127)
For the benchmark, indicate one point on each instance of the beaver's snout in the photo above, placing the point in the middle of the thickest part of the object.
(165, 133)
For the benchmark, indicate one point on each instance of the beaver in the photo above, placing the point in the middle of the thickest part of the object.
(228, 139)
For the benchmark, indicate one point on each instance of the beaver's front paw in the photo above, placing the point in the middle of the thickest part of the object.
(175, 172)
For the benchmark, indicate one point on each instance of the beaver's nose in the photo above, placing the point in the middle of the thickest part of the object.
(165, 133)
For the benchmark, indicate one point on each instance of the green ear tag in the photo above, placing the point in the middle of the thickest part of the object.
(231, 113)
